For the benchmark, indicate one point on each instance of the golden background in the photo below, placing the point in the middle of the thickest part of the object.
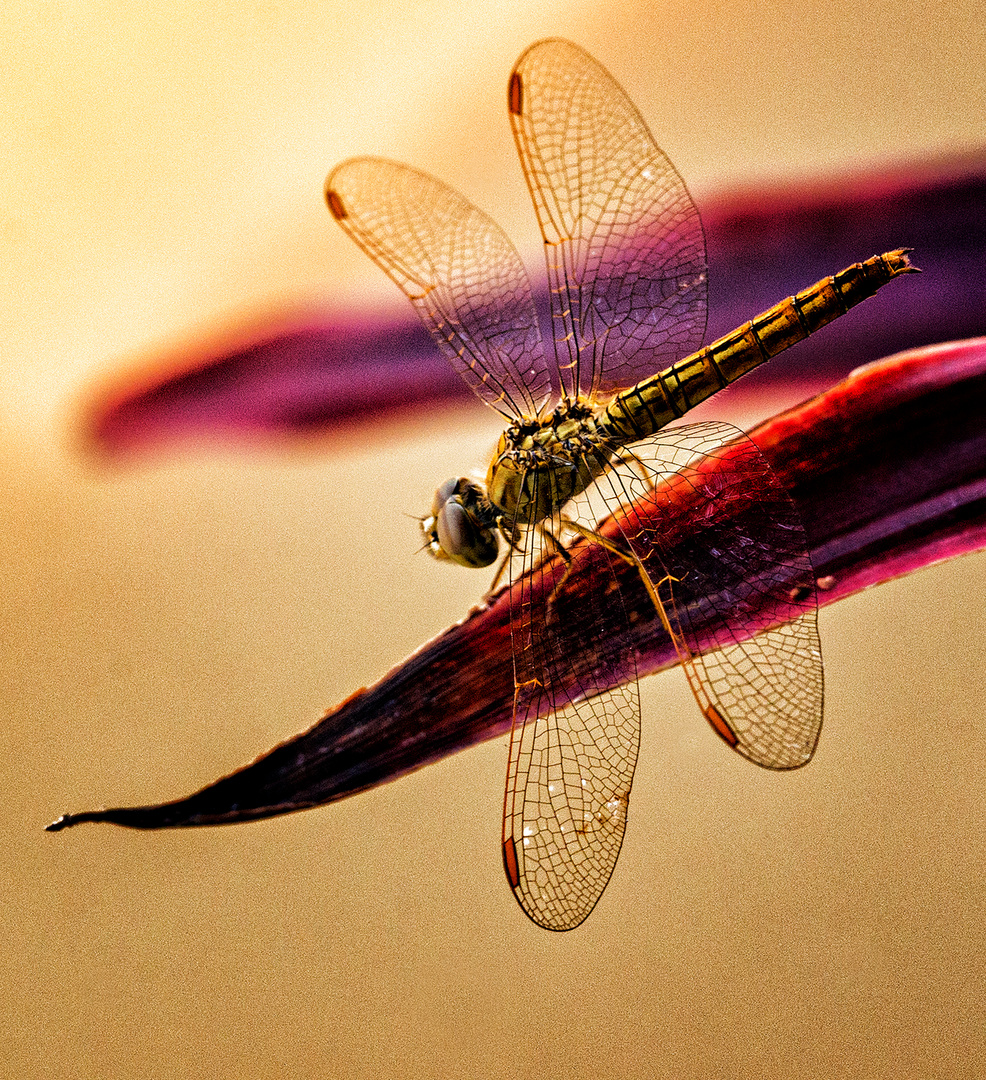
(166, 622)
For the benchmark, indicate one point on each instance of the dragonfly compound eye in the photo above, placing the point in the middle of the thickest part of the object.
(461, 525)
(446, 491)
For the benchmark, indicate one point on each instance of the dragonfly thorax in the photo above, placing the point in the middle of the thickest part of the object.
(542, 462)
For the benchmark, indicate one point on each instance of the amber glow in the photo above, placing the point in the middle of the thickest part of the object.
(167, 621)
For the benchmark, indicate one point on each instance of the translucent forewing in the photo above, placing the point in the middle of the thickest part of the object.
(623, 241)
(459, 270)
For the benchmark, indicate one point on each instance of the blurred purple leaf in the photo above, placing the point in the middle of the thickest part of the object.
(321, 374)
(888, 470)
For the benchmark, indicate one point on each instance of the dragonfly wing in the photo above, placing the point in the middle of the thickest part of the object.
(459, 270)
(623, 240)
(724, 546)
(573, 745)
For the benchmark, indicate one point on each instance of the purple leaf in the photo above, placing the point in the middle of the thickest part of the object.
(321, 373)
(888, 470)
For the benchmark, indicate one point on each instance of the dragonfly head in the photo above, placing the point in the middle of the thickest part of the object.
(462, 525)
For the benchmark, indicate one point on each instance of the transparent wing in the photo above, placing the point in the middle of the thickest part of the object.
(724, 546)
(623, 240)
(574, 743)
(459, 270)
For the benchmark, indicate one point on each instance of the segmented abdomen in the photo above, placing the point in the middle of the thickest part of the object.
(656, 401)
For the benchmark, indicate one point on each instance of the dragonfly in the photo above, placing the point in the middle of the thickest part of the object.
(594, 458)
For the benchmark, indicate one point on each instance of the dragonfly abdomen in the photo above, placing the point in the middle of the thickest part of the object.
(664, 397)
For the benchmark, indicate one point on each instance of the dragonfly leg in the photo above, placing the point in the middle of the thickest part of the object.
(499, 573)
(512, 537)
(632, 559)
(554, 546)
(604, 541)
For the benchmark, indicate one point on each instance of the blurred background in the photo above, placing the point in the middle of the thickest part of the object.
(165, 621)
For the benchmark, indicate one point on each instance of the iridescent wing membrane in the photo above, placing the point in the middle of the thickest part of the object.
(724, 546)
(626, 267)
(722, 543)
(624, 244)
(459, 270)
(574, 740)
